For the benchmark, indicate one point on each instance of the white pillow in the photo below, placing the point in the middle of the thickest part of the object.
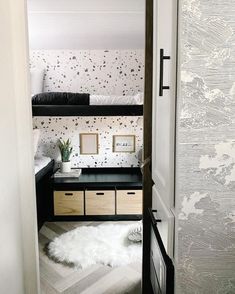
(36, 78)
(36, 135)
(135, 233)
(116, 100)
(139, 98)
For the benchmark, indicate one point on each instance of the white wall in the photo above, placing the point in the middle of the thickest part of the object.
(83, 24)
(18, 266)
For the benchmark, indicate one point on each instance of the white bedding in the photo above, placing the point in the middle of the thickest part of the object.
(116, 100)
(40, 163)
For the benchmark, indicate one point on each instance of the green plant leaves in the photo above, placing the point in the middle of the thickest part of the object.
(65, 149)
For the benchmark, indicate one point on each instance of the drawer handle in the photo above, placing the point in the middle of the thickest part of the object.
(99, 193)
(68, 194)
(130, 193)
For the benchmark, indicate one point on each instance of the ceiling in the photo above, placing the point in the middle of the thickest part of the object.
(86, 24)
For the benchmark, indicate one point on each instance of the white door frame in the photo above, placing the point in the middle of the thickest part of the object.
(16, 129)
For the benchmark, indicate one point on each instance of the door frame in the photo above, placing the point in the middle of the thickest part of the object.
(147, 175)
(15, 69)
(20, 60)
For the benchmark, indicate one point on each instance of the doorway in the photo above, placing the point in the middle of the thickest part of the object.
(93, 54)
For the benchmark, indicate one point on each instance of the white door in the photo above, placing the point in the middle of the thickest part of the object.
(164, 91)
(166, 224)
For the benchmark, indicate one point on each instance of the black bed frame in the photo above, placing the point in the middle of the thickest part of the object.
(87, 110)
(43, 190)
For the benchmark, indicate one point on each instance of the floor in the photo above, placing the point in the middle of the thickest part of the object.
(97, 279)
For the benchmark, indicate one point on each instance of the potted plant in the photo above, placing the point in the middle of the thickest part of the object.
(65, 150)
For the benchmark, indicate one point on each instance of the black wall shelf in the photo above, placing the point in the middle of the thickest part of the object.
(87, 110)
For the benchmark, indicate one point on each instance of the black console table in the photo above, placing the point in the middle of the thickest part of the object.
(98, 194)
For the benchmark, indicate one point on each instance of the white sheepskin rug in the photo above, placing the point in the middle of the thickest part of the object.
(106, 244)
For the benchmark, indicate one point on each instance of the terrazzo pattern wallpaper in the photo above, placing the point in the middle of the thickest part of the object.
(54, 128)
(205, 191)
(109, 72)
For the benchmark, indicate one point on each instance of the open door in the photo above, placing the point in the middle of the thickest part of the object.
(163, 145)
(164, 91)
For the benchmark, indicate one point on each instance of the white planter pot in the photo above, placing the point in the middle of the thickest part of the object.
(65, 167)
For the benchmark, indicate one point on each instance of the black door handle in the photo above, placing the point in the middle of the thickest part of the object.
(155, 220)
(161, 86)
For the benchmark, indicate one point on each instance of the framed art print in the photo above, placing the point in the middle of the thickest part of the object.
(89, 143)
(124, 143)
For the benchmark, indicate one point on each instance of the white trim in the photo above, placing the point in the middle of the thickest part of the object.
(85, 12)
(177, 195)
(17, 104)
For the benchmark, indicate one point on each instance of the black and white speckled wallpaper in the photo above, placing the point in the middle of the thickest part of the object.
(114, 72)
(53, 128)
(110, 72)
(205, 183)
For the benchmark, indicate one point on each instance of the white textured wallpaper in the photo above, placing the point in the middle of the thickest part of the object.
(206, 149)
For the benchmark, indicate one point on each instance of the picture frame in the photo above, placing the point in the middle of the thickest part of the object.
(124, 143)
(89, 143)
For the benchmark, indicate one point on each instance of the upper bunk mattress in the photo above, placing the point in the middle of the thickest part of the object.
(66, 98)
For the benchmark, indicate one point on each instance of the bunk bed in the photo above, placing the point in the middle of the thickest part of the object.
(74, 104)
(77, 104)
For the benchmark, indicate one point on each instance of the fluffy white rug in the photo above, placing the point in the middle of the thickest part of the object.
(105, 244)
